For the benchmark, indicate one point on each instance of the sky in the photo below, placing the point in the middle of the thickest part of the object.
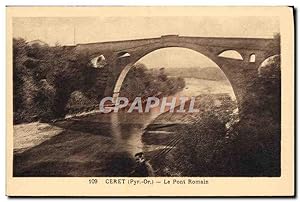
(75, 30)
(176, 58)
(96, 29)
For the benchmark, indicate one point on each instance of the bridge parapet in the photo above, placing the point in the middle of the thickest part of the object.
(169, 37)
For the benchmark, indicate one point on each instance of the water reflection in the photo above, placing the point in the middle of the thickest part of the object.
(127, 128)
(102, 144)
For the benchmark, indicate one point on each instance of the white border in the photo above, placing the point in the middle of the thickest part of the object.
(4, 3)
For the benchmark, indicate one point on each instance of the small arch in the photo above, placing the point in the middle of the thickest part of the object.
(232, 54)
(252, 58)
(270, 67)
(123, 55)
(99, 61)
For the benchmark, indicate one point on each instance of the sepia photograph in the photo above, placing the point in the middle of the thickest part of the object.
(148, 95)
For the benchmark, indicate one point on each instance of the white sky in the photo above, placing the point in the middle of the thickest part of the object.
(96, 29)
(176, 58)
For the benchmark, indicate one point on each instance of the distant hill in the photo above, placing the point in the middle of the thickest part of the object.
(208, 73)
(39, 42)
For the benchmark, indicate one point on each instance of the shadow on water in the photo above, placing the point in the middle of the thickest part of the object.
(96, 128)
(86, 147)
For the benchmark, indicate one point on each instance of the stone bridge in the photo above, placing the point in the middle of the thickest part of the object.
(121, 55)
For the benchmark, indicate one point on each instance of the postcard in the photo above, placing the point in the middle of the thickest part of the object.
(150, 101)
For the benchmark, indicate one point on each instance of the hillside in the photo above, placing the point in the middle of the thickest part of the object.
(208, 73)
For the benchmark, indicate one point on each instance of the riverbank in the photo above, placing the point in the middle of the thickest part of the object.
(93, 145)
(191, 140)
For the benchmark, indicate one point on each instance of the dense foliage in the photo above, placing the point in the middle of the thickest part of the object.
(145, 83)
(212, 145)
(52, 81)
(44, 77)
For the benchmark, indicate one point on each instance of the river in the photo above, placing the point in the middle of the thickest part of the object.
(93, 145)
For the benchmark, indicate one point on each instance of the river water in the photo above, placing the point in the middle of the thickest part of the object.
(100, 144)
(131, 136)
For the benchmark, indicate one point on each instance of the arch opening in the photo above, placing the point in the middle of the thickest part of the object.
(99, 61)
(231, 54)
(208, 66)
(252, 58)
(123, 55)
(270, 67)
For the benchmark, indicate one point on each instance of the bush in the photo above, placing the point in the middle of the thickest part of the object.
(44, 78)
(141, 82)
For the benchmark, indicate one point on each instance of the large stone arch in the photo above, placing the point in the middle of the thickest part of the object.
(137, 55)
(240, 73)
